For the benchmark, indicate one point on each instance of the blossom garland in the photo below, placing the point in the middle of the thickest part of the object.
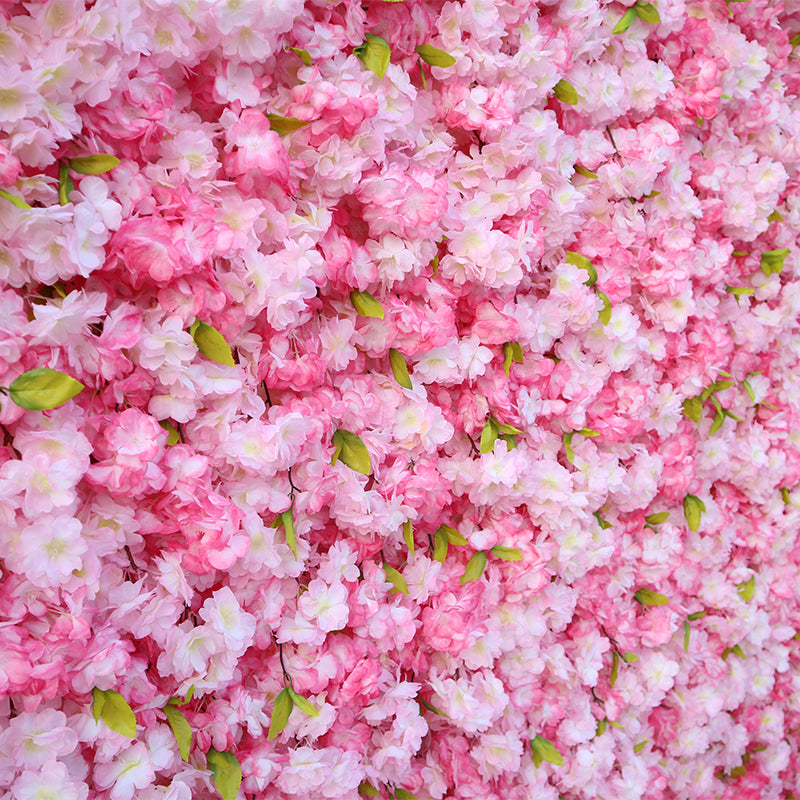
(400, 399)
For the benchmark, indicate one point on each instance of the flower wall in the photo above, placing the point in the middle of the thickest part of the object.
(440, 430)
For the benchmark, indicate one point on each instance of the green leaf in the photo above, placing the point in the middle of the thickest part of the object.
(488, 436)
(647, 597)
(587, 173)
(399, 368)
(775, 216)
(588, 432)
(44, 388)
(13, 199)
(474, 568)
(657, 519)
(283, 125)
(646, 12)
(512, 353)
(226, 771)
(720, 386)
(114, 710)
(687, 630)
(629, 658)
(509, 439)
(601, 727)
(65, 184)
(568, 446)
(408, 536)
(375, 54)
(402, 794)
(93, 165)
(740, 253)
(367, 789)
(627, 20)
(795, 40)
(693, 408)
(434, 56)
(504, 428)
(749, 389)
(507, 553)
(425, 86)
(615, 724)
(302, 703)
(543, 750)
(772, 261)
(303, 55)
(440, 546)
(396, 579)
(697, 615)
(176, 701)
(173, 437)
(453, 536)
(287, 519)
(605, 314)
(281, 710)
(785, 496)
(601, 522)
(211, 343)
(181, 730)
(352, 451)
(716, 424)
(614, 669)
(582, 262)
(747, 589)
(637, 748)
(693, 508)
(366, 305)
(431, 708)
(565, 92)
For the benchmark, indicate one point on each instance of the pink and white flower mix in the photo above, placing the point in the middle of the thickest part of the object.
(561, 558)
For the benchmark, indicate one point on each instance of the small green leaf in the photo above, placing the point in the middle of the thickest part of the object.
(601, 727)
(303, 55)
(399, 368)
(227, 773)
(402, 794)
(629, 658)
(747, 589)
(93, 165)
(396, 579)
(453, 536)
(582, 262)
(176, 701)
(510, 440)
(366, 305)
(625, 22)
(693, 408)
(588, 432)
(302, 703)
(512, 353)
(637, 748)
(408, 536)
(605, 314)
(646, 12)
(601, 522)
(795, 40)
(749, 389)
(775, 216)
(287, 519)
(505, 428)
(434, 56)
(181, 730)
(615, 724)
(375, 54)
(489, 436)
(647, 597)
(431, 708)
(44, 388)
(283, 125)
(693, 508)
(614, 669)
(425, 86)
(587, 173)
(543, 750)
(507, 553)
(568, 446)
(716, 424)
(367, 789)
(696, 615)
(173, 437)
(352, 451)
(114, 710)
(440, 546)
(13, 199)
(785, 496)
(657, 519)
(211, 343)
(772, 261)
(565, 92)
(720, 386)
(281, 710)
(65, 184)
(740, 253)
(687, 630)
(474, 568)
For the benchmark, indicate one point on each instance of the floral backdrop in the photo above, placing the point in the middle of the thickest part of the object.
(399, 399)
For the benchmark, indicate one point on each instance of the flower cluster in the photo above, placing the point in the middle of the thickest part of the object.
(440, 435)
